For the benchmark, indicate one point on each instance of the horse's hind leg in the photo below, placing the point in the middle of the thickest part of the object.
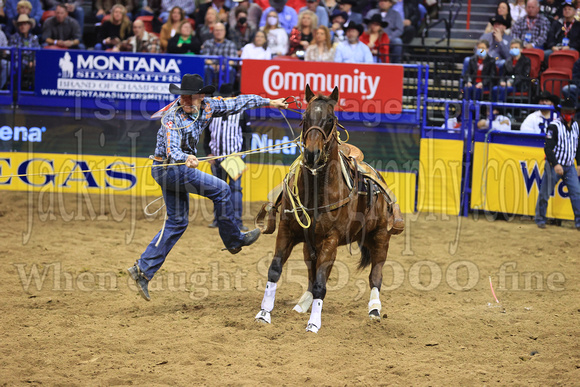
(378, 252)
(306, 300)
(284, 245)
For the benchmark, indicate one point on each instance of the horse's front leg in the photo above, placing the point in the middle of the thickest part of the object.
(324, 263)
(305, 301)
(284, 245)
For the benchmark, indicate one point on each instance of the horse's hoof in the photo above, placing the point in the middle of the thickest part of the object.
(375, 315)
(263, 317)
(311, 328)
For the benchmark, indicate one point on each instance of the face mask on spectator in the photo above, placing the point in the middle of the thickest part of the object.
(568, 116)
(242, 21)
(515, 52)
(481, 53)
(272, 21)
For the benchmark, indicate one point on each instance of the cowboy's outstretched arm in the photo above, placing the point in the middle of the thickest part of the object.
(219, 106)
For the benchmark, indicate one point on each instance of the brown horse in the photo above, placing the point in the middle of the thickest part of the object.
(317, 194)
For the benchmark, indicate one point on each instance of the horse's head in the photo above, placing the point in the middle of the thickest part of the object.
(318, 127)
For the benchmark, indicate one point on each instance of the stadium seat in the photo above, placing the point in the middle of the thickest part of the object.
(46, 15)
(553, 80)
(537, 57)
(148, 21)
(563, 59)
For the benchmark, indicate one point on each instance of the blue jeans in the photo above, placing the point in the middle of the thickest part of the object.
(396, 50)
(235, 188)
(473, 93)
(177, 182)
(499, 93)
(549, 181)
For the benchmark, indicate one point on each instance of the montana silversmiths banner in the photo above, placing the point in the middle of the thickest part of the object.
(87, 78)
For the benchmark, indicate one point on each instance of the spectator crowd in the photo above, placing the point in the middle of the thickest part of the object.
(367, 31)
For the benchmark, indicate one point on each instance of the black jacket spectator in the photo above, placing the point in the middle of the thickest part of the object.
(200, 13)
(557, 33)
(488, 73)
(520, 73)
(411, 8)
(173, 46)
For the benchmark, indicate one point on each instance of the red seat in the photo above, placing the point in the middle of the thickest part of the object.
(553, 80)
(148, 21)
(563, 59)
(536, 57)
(46, 15)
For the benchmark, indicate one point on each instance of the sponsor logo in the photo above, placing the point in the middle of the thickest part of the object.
(21, 133)
(276, 82)
(260, 141)
(126, 63)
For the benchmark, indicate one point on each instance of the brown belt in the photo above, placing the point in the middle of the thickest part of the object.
(157, 158)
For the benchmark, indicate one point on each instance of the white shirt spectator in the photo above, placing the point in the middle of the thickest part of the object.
(251, 51)
(278, 41)
(537, 123)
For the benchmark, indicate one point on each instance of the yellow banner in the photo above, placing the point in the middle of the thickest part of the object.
(440, 171)
(46, 172)
(506, 178)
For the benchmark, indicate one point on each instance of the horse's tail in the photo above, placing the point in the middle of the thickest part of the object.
(365, 257)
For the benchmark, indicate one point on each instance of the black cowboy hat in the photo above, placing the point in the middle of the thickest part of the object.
(549, 96)
(338, 12)
(353, 26)
(498, 19)
(277, 3)
(568, 104)
(191, 84)
(226, 90)
(351, 2)
(376, 18)
(569, 3)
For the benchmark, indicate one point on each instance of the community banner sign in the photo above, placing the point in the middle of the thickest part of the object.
(88, 78)
(366, 88)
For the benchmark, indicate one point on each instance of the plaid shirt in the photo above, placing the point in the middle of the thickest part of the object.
(538, 28)
(227, 48)
(181, 142)
(31, 41)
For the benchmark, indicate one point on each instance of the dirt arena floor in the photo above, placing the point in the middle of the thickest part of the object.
(70, 316)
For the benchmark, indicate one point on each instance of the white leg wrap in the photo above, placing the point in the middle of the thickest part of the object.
(269, 296)
(375, 301)
(315, 321)
(304, 303)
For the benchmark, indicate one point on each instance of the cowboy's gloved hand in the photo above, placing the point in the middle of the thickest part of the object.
(278, 103)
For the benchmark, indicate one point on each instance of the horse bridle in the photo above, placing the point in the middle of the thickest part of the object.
(327, 138)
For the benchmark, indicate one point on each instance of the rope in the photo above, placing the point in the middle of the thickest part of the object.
(283, 145)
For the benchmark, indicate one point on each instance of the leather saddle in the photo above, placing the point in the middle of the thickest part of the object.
(355, 172)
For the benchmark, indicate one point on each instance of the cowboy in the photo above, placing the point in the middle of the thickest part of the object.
(561, 148)
(182, 122)
(353, 50)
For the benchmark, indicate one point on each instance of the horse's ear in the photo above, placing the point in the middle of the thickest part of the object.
(309, 93)
(334, 95)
